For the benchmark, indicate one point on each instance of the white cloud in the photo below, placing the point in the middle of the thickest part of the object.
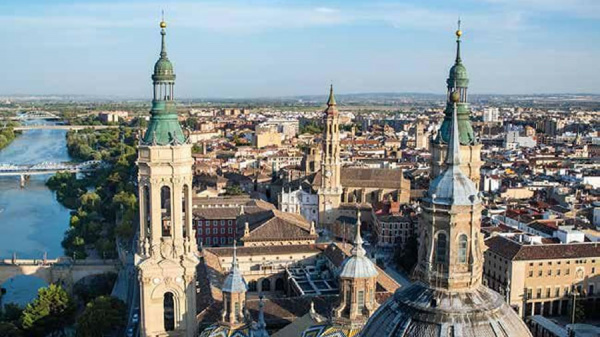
(242, 18)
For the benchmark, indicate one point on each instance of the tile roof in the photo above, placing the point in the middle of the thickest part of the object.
(275, 225)
(515, 251)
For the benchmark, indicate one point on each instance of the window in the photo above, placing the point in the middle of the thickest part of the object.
(222, 241)
(567, 271)
(529, 293)
(215, 231)
(538, 293)
(548, 292)
(223, 230)
(549, 273)
(441, 248)
(237, 310)
(199, 231)
(199, 222)
(215, 241)
(593, 270)
(207, 240)
(531, 273)
(557, 293)
(462, 248)
(230, 230)
(222, 222)
(165, 205)
(361, 301)
(229, 222)
(169, 312)
(539, 273)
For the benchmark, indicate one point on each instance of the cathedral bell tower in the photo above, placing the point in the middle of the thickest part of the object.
(450, 254)
(166, 259)
(470, 149)
(330, 191)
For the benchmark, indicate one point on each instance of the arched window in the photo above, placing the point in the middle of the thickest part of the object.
(279, 286)
(169, 312)
(165, 205)
(252, 286)
(266, 285)
(462, 248)
(440, 249)
(186, 214)
(147, 209)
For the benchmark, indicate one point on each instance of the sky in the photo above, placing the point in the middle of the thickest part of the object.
(267, 48)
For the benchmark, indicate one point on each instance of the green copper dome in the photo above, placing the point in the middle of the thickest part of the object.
(458, 76)
(457, 82)
(164, 127)
(163, 67)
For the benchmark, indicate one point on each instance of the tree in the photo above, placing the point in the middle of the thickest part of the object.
(8, 329)
(49, 313)
(12, 313)
(234, 190)
(579, 311)
(92, 287)
(102, 316)
(407, 258)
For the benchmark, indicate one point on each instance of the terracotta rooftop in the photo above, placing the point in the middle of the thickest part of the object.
(515, 251)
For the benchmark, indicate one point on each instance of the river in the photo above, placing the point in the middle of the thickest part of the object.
(32, 222)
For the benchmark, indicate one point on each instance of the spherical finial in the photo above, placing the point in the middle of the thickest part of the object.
(163, 25)
(455, 97)
(459, 33)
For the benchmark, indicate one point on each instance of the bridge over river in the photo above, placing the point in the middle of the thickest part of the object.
(64, 271)
(24, 171)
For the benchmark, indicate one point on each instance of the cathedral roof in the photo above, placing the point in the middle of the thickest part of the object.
(276, 225)
(368, 178)
(234, 282)
(419, 310)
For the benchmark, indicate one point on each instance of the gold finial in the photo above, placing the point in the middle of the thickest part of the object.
(455, 97)
(458, 31)
(163, 24)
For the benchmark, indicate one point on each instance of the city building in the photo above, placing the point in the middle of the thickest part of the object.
(540, 276)
(166, 259)
(491, 115)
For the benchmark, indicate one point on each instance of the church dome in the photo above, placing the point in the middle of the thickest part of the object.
(358, 267)
(234, 282)
(163, 67)
(458, 72)
(453, 187)
(419, 310)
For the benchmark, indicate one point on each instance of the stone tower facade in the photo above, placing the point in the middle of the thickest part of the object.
(451, 249)
(330, 191)
(358, 280)
(166, 261)
(470, 149)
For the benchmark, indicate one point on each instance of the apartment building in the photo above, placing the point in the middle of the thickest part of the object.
(538, 276)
